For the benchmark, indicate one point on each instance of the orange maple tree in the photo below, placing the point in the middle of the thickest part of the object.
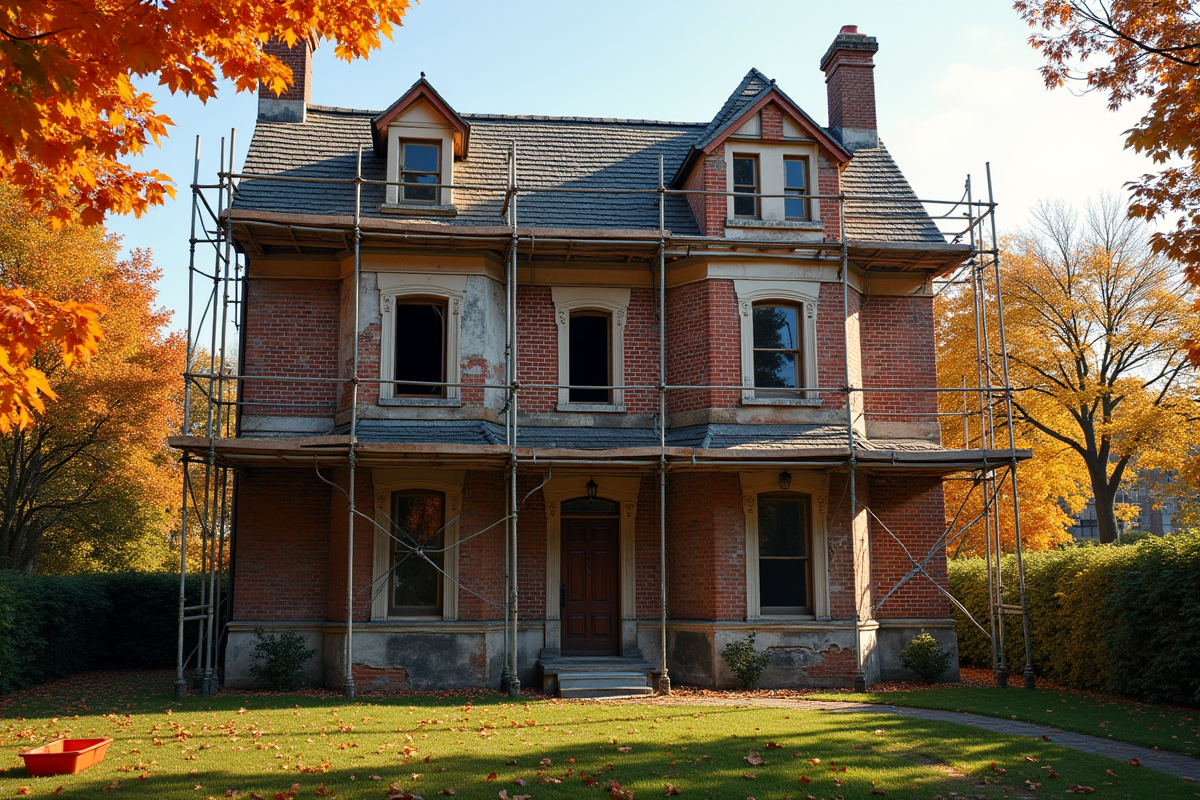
(28, 321)
(1130, 49)
(72, 112)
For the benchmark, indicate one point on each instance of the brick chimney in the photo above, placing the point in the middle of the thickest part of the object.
(292, 105)
(849, 67)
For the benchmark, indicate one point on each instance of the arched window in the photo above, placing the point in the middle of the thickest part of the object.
(590, 357)
(420, 347)
(418, 520)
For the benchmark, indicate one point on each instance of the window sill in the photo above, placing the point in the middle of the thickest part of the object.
(432, 402)
(591, 408)
(785, 616)
(809, 402)
(775, 224)
(418, 210)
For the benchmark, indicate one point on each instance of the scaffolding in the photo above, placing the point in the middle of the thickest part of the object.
(215, 381)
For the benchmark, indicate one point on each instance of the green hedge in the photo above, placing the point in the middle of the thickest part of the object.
(1122, 620)
(56, 625)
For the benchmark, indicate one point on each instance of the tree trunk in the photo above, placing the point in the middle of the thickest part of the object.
(1106, 516)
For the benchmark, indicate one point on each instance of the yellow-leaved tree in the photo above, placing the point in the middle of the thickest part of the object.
(91, 484)
(1096, 324)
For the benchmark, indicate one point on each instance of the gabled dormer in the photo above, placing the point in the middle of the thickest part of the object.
(421, 136)
(762, 143)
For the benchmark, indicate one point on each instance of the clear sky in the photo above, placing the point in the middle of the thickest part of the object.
(956, 86)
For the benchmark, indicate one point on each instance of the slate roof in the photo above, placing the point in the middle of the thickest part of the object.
(742, 438)
(873, 172)
(571, 152)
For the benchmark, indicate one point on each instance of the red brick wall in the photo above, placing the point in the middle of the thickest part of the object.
(840, 549)
(831, 339)
(898, 350)
(710, 210)
(537, 348)
(706, 547)
(912, 508)
(299, 59)
(771, 120)
(291, 332)
(641, 353)
(282, 550)
(646, 551)
(829, 182)
(364, 544)
(531, 550)
(703, 345)
(850, 89)
(481, 559)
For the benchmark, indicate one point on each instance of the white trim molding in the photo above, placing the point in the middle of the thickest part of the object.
(804, 482)
(395, 287)
(624, 490)
(802, 293)
(387, 481)
(614, 301)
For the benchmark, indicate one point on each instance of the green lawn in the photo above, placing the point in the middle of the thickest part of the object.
(1163, 727)
(247, 745)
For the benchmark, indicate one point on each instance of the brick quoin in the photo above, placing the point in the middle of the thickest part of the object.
(282, 546)
(703, 345)
(641, 353)
(706, 551)
(291, 332)
(898, 350)
(912, 507)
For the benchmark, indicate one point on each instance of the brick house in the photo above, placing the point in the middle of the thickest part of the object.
(375, 330)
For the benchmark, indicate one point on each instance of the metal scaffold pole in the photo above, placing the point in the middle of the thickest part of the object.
(1030, 682)
(514, 679)
(348, 687)
(664, 681)
(860, 676)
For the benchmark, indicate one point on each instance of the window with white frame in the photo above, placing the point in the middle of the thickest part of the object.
(745, 186)
(415, 561)
(795, 182)
(778, 340)
(784, 555)
(591, 347)
(419, 338)
(786, 544)
(420, 170)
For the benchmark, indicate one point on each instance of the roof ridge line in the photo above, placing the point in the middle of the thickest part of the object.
(554, 118)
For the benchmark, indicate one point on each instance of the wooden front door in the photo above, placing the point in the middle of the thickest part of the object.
(590, 604)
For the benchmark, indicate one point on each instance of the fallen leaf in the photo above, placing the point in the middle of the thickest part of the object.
(672, 790)
(880, 792)
(448, 792)
(1077, 789)
(491, 776)
(754, 759)
(805, 779)
(750, 776)
(879, 731)
(1111, 774)
(624, 749)
(1134, 762)
(774, 746)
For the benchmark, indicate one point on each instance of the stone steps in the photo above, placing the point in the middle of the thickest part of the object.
(597, 676)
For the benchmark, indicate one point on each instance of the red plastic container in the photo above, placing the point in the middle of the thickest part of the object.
(65, 757)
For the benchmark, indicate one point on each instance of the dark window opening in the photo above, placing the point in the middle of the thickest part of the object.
(795, 181)
(778, 350)
(420, 163)
(589, 358)
(420, 348)
(784, 568)
(590, 506)
(745, 181)
(417, 521)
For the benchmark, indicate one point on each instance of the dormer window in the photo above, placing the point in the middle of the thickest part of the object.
(795, 182)
(745, 182)
(420, 161)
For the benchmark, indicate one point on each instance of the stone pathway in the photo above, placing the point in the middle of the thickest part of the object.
(1158, 760)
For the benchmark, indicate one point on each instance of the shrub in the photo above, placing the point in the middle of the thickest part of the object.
(279, 660)
(1105, 618)
(55, 625)
(746, 662)
(925, 657)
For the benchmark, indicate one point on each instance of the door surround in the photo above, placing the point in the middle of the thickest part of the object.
(623, 490)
